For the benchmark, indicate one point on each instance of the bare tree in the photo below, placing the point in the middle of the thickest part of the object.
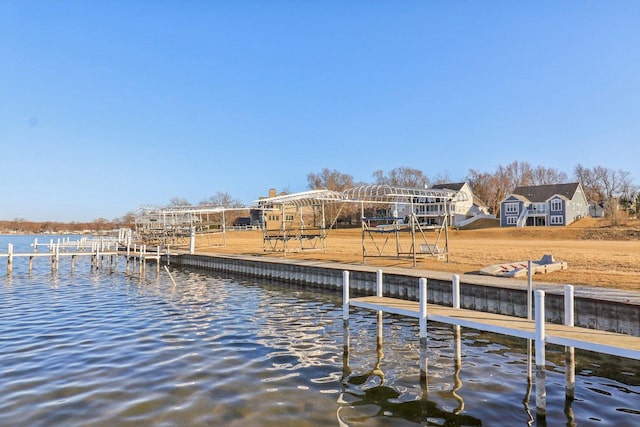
(592, 188)
(441, 178)
(608, 187)
(329, 180)
(402, 177)
(127, 219)
(222, 199)
(487, 187)
(177, 201)
(544, 176)
(516, 174)
(335, 181)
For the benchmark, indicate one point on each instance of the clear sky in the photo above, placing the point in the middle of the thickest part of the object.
(109, 105)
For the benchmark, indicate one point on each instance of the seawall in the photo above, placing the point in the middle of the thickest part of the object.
(595, 308)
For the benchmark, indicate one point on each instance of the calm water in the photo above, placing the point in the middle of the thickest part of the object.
(114, 347)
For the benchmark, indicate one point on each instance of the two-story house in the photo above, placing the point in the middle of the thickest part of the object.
(433, 210)
(544, 205)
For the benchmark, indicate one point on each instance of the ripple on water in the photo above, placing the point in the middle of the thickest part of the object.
(118, 348)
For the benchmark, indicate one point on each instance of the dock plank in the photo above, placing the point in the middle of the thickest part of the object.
(583, 338)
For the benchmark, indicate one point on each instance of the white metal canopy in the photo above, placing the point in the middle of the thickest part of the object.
(382, 193)
(174, 221)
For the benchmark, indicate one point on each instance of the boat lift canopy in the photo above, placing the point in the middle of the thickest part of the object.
(367, 195)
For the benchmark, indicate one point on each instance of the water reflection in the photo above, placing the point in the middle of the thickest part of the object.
(381, 391)
(111, 346)
(365, 394)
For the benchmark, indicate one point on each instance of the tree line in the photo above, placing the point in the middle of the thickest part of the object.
(613, 190)
(610, 188)
(20, 225)
(604, 186)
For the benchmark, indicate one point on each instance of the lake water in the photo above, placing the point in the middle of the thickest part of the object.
(115, 347)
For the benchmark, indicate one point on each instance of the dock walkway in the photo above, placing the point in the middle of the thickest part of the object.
(571, 336)
(537, 331)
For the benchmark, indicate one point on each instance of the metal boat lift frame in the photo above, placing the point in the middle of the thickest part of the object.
(307, 237)
(276, 239)
(378, 236)
(170, 225)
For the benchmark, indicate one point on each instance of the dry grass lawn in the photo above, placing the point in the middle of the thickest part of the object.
(597, 254)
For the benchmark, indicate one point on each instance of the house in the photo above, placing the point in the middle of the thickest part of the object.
(597, 209)
(463, 207)
(544, 205)
(287, 211)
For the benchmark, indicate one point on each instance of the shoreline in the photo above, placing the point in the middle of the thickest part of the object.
(600, 263)
(595, 308)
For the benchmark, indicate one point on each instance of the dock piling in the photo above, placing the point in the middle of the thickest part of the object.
(422, 284)
(570, 363)
(455, 285)
(540, 335)
(379, 282)
(529, 290)
(345, 297)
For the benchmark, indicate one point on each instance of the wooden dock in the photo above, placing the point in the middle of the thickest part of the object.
(571, 336)
(537, 331)
(97, 250)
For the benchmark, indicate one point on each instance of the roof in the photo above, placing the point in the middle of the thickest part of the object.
(541, 193)
(479, 202)
(455, 186)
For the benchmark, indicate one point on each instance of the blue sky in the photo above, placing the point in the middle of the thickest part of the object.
(109, 105)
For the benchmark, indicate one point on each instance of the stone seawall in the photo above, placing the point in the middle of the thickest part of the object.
(595, 308)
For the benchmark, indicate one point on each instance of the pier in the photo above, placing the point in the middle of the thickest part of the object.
(98, 250)
(535, 330)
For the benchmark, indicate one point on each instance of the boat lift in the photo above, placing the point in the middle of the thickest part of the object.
(180, 225)
(287, 219)
(384, 235)
(298, 218)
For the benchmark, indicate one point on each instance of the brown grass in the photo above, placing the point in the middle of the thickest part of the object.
(597, 254)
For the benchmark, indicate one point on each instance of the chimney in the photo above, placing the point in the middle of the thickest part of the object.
(272, 192)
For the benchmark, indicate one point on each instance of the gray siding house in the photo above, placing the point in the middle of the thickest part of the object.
(544, 205)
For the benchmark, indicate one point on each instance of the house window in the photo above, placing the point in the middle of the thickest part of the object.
(273, 217)
(288, 217)
(557, 219)
(512, 220)
(556, 205)
(511, 208)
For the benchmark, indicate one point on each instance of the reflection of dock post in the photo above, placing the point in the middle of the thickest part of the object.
(379, 350)
(457, 366)
(380, 353)
(570, 374)
(346, 369)
(423, 329)
(541, 391)
(457, 345)
(9, 259)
